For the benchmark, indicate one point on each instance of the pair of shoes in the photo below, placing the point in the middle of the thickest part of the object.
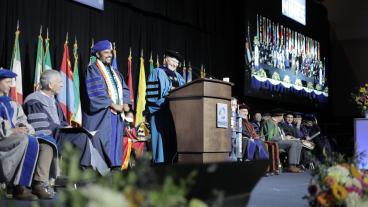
(23, 193)
(42, 190)
(294, 169)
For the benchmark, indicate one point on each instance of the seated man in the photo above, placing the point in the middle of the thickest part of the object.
(272, 132)
(251, 141)
(46, 116)
(287, 125)
(25, 160)
(257, 118)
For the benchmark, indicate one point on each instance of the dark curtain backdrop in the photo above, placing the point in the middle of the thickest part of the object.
(205, 32)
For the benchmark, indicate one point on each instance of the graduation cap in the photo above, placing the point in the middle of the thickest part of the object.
(243, 106)
(266, 114)
(288, 113)
(309, 117)
(174, 54)
(101, 46)
(277, 112)
(5, 73)
(298, 115)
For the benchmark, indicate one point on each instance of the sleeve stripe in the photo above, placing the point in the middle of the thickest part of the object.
(40, 124)
(153, 89)
(97, 93)
(37, 116)
(152, 96)
(153, 82)
(91, 80)
(97, 86)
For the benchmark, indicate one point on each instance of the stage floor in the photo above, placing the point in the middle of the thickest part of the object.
(286, 190)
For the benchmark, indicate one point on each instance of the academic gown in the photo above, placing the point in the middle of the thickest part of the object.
(97, 114)
(39, 116)
(163, 136)
(19, 152)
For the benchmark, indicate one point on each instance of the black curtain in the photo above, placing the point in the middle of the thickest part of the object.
(205, 32)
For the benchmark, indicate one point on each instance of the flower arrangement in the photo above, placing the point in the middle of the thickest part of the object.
(339, 185)
(361, 98)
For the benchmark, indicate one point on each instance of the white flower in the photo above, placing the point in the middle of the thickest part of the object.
(341, 174)
(100, 196)
(353, 200)
(353, 182)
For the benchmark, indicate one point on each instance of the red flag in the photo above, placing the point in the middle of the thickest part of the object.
(66, 96)
(130, 78)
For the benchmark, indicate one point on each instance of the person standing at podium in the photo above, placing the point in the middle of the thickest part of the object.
(160, 82)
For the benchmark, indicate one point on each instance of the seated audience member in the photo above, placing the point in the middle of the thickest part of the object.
(25, 160)
(272, 132)
(257, 118)
(251, 140)
(133, 144)
(265, 116)
(46, 116)
(298, 123)
(287, 125)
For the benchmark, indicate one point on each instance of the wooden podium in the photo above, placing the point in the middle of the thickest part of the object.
(202, 136)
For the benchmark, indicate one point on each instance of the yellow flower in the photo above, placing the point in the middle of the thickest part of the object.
(366, 85)
(366, 180)
(339, 192)
(362, 90)
(355, 172)
(330, 181)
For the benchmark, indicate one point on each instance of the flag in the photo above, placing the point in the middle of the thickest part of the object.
(184, 72)
(39, 61)
(47, 60)
(151, 67)
(16, 90)
(141, 94)
(66, 96)
(92, 58)
(157, 62)
(114, 63)
(130, 78)
(77, 115)
(189, 77)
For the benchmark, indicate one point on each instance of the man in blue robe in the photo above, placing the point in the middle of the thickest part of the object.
(160, 82)
(105, 98)
(46, 116)
(26, 160)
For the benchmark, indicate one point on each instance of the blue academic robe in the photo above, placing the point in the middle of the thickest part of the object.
(19, 152)
(98, 116)
(163, 136)
(92, 152)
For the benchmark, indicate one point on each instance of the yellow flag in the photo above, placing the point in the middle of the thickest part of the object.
(141, 94)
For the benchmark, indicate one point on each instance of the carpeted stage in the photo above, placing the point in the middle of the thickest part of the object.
(286, 190)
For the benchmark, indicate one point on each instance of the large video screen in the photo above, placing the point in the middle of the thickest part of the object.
(361, 142)
(284, 61)
(294, 9)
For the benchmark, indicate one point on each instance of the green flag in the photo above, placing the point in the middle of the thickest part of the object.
(39, 61)
(151, 67)
(77, 115)
(47, 60)
(92, 58)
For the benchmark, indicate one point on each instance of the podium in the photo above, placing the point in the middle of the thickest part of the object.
(201, 113)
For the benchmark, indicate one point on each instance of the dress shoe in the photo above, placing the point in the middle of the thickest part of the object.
(23, 193)
(42, 190)
(294, 169)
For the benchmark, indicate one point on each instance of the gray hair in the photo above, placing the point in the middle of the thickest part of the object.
(47, 77)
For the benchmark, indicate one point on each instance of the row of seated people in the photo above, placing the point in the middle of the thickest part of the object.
(285, 131)
(32, 135)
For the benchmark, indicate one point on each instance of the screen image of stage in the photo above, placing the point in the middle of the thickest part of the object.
(361, 142)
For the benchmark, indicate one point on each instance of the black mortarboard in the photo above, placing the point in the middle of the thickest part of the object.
(174, 54)
(277, 112)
